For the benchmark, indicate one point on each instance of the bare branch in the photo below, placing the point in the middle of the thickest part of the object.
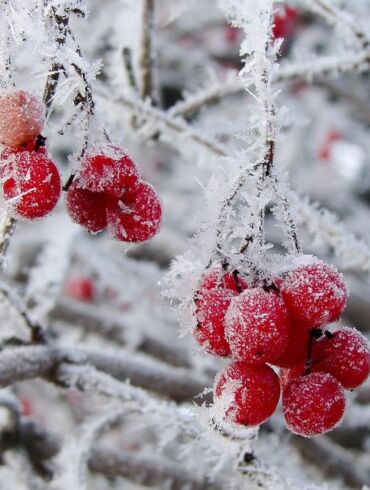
(332, 460)
(17, 364)
(145, 54)
(93, 319)
(149, 470)
(7, 229)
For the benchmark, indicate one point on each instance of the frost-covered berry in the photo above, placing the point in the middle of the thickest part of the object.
(31, 184)
(137, 216)
(257, 326)
(211, 308)
(21, 118)
(345, 355)
(314, 294)
(248, 395)
(109, 169)
(297, 348)
(216, 277)
(313, 404)
(212, 299)
(87, 208)
(81, 288)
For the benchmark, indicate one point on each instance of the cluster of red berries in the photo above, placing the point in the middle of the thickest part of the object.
(282, 325)
(30, 180)
(107, 192)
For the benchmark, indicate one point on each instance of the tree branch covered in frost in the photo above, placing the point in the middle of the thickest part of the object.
(73, 459)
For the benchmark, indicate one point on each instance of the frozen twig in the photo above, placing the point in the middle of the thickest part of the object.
(340, 18)
(129, 69)
(177, 125)
(147, 469)
(332, 460)
(145, 54)
(72, 471)
(17, 364)
(310, 70)
(8, 225)
(92, 319)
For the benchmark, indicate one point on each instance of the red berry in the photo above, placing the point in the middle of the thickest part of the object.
(21, 118)
(217, 277)
(345, 355)
(111, 170)
(314, 294)
(231, 35)
(137, 216)
(297, 348)
(31, 184)
(330, 139)
(81, 288)
(87, 208)
(257, 326)
(26, 406)
(211, 307)
(313, 404)
(285, 22)
(248, 394)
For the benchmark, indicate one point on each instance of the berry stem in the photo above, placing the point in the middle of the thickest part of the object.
(315, 334)
(68, 183)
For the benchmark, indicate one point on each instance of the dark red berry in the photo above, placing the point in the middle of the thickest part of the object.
(297, 348)
(247, 394)
(257, 326)
(285, 22)
(137, 216)
(87, 208)
(31, 184)
(314, 294)
(216, 277)
(109, 169)
(211, 307)
(81, 288)
(345, 355)
(313, 404)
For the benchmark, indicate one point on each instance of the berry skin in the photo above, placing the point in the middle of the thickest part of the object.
(313, 404)
(211, 307)
(212, 299)
(81, 288)
(297, 348)
(217, 277)
(250, 393)
(345, 355)
(285, 22)
(111, 171)
(137, 216)
(257, 326)
(21, 118)
(314, 294)
(32, 182)
(87, 208)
